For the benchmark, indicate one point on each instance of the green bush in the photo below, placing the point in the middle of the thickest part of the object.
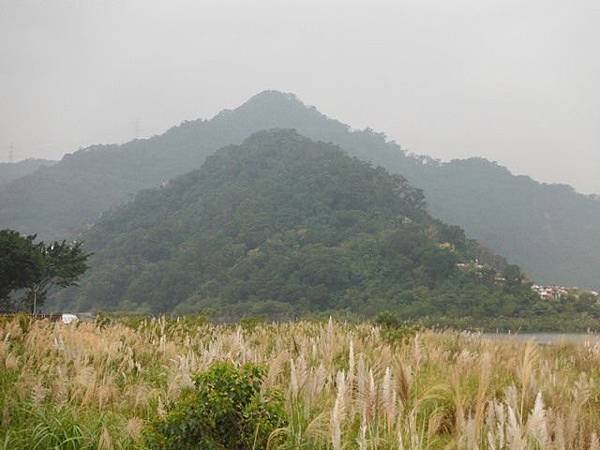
(225, 411)
(387, 319)
(393, 330)
(251, 322)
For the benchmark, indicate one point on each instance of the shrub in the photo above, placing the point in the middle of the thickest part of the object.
(386, 319)
(393, 330)
(251, 322)
(225, 411)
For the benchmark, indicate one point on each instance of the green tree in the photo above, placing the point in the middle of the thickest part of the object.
(58, 264)
(513, 278)
(36, 267)
(18, 264)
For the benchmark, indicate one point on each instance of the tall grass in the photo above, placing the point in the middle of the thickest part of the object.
(346, 386)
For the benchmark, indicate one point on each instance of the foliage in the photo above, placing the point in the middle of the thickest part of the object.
(281, 226)
(18, 264)
(551, 231)
(393, 329)
(36, 267)
(251, 322)
(387, 319)
(227, 410)
(58, 264)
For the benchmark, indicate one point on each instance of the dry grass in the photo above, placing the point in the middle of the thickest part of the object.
(345, 386)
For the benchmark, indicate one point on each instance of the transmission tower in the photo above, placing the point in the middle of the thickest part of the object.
(11, 152)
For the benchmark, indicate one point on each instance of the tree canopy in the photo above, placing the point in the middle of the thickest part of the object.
(285, 225)
(33, 268)
(18, 264)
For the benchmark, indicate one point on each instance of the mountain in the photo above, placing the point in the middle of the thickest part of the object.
(549, 230)
(12, 171)
(283, 224)
(67, 198)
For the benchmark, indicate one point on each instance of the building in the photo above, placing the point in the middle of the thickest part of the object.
(550, 292)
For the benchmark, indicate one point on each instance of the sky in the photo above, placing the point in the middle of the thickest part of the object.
(515, 81)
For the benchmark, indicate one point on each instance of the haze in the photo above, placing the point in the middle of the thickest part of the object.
(514, 81)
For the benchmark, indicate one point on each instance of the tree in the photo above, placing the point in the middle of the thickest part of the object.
(513, 276)
(18, 263)
(36, 267)
(58, 264)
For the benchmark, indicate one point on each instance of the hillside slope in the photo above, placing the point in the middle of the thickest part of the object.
(282, 224)
(550, 230)
(11, 171)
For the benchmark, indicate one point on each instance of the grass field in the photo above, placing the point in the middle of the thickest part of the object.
(342, 386)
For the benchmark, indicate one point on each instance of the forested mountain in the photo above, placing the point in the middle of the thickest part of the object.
(64, 200)
(282, 224)
(549, 230)
(12, 171)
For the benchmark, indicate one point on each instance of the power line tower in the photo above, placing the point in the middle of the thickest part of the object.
(11, 152)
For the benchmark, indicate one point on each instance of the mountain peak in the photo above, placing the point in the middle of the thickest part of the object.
(274, 102)
(274, 106)
(272, 96)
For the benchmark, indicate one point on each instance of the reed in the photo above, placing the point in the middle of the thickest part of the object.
(345, 385)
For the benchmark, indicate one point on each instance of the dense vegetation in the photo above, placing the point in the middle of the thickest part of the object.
(29, 269)
(322, 387)
(227, 409)
(282, 225)
(549, 230)
(12, 171)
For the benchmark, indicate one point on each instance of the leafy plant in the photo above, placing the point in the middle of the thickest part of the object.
(36, 267)
(249, 323)
(18, 264)
(393, 329)
(226, 410)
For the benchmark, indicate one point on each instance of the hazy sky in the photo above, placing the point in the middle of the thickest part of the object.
(517, 81)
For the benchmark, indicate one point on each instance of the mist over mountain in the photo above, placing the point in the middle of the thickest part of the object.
(550, 230)
(285, 225)
(12, 171)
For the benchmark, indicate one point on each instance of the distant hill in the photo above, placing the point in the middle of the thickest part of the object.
(12, 171)
(550, 230)
(285, 225)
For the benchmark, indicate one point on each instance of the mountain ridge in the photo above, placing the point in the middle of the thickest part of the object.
(281, 223)
(550, 230)
(10, 171)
